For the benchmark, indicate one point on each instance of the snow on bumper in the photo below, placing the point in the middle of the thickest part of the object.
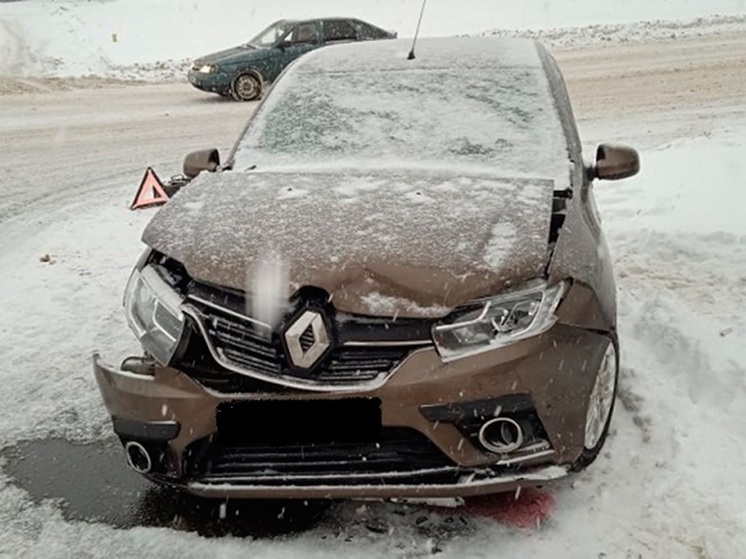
(470, 484)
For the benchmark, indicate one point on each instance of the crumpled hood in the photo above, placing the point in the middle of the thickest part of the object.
(230, 56)
(412, 244)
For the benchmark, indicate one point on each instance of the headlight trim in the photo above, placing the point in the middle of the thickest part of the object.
(452, 346)
(144, 322)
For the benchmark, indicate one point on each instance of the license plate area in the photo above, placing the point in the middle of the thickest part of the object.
(284, 422)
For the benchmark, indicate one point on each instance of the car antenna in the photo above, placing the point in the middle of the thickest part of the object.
(410, 56)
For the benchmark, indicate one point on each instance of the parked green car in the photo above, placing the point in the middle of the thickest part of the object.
(243, 71)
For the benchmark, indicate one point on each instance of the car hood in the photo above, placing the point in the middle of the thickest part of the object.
(227, 56)
(410, 244)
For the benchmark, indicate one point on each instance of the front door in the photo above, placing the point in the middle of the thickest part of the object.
(302, 38)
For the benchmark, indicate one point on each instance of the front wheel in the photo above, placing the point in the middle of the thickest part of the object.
(246, 87)
(600, 408)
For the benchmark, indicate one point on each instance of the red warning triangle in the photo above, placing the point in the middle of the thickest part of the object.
(150, 193)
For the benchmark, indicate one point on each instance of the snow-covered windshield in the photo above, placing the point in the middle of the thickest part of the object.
(271, 34)
(432, 111)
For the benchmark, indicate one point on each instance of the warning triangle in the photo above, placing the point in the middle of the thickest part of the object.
(150, 193)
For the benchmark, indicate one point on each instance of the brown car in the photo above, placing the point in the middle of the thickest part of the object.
(395, 286)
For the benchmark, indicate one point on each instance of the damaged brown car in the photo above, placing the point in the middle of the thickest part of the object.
(396, 285)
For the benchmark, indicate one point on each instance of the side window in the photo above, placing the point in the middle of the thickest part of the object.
(367, 32)
(339, 30)
(304, 34)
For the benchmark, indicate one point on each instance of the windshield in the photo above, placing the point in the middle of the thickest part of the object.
(271, 34)
(506, 119)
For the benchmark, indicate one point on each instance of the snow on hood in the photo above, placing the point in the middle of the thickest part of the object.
(229, 56)
(405, 243)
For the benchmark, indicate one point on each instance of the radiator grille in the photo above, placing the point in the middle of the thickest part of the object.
(243, 345)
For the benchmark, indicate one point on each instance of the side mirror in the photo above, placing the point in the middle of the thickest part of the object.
(614, 162)
(202, 160)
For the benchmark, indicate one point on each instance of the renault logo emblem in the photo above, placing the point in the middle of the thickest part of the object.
(307, 340)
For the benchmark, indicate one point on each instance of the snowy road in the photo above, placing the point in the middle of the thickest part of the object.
(672, 481)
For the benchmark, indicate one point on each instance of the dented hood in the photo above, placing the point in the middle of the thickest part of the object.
(412, 244)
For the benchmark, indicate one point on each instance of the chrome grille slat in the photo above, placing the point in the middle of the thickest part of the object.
(360, 364)
(357, 376)
(238, 344)
(252, 362)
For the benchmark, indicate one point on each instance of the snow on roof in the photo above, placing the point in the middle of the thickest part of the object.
(482, 102)
(458, 53)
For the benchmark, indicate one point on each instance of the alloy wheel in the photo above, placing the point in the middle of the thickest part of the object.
(602, 398)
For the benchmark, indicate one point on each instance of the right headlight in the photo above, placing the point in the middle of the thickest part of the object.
(153, 313)
(495, 322)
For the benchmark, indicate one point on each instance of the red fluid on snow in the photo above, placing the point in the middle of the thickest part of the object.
(529, 510)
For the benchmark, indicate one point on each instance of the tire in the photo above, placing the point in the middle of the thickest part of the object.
(589, 455)
(246, 86)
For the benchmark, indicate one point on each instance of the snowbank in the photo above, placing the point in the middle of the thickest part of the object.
(142, 38)
(638, 32)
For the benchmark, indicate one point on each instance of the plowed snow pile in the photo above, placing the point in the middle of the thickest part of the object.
(136, 39)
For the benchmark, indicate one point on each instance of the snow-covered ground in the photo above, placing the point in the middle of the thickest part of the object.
(671, 483)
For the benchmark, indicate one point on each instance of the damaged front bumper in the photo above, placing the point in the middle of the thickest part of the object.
(465, 484)
(217, 82)
(419, 435)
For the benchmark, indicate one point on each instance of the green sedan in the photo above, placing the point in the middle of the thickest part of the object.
(242, 72)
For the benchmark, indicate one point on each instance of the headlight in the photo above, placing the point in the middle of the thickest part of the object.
(207, 69)
(152, 309)
(498, 321)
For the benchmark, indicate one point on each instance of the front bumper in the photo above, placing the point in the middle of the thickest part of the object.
(555, 371)
(467, 485)
(217, 82)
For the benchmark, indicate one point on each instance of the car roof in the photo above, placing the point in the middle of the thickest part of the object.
(312, 19)
(490, 53)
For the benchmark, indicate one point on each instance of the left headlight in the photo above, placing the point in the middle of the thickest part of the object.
(491, 323)
(207, 69)
(153, 313)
